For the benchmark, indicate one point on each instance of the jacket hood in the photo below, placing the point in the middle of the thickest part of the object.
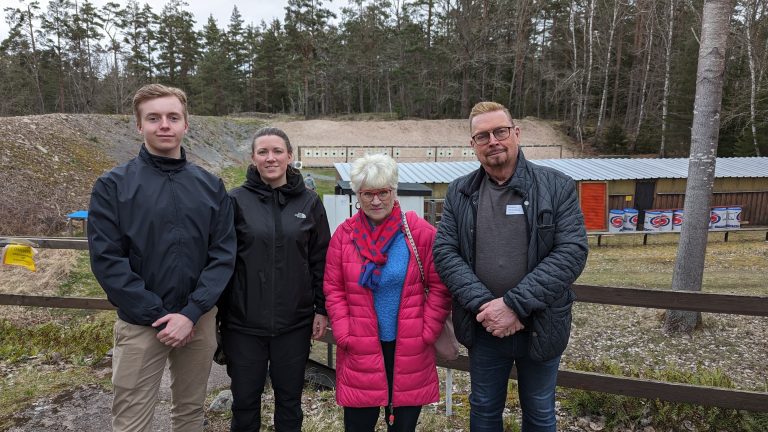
(294, 185)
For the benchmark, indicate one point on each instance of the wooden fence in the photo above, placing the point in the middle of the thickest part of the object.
(634, 297)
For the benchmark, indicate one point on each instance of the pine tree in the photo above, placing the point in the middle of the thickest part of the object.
(177, 44)
(216, 85)
(305, 22)
(138, 35)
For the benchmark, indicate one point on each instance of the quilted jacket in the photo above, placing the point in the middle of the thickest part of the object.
(360, 377)
(557, 253)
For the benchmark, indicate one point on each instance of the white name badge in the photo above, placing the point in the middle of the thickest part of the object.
(515, 209)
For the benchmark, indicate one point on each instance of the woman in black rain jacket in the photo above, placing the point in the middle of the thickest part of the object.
(274, 303)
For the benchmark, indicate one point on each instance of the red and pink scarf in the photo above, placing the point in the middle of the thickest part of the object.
(373, 243)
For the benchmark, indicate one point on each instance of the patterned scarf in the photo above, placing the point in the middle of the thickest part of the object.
(373, 244)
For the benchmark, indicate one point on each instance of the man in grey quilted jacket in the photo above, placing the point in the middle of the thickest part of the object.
(510, 244)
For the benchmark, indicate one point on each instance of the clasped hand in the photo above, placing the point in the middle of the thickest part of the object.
(498, 319)
(178, 331)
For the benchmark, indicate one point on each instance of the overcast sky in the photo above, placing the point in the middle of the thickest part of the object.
(252, 11)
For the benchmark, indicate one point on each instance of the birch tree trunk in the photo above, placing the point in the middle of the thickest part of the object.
(668, 62)
(689, 264)
(586, 92)
(615, 97)
(750, 12)
(576, 89)
(648, 55)
(34, 62)
(540, 61)
(604, 98)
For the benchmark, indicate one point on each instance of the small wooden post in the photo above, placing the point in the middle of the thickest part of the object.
(449, 392)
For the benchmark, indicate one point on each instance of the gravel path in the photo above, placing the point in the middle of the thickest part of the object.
(88, 408)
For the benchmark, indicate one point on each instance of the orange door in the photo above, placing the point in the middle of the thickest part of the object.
(593, 198)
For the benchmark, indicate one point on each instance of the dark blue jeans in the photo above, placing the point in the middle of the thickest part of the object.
(490, 362)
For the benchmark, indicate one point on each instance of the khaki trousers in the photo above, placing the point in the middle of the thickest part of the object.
(138, 362)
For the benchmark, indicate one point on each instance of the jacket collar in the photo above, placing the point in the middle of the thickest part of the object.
(164, 164)
(255, 184)
(520, 181)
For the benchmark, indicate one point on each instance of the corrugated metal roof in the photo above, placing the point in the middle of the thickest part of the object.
(583, 169)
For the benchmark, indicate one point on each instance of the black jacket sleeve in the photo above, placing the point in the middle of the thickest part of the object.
(222, 247)
(113, 264)
(318, 247)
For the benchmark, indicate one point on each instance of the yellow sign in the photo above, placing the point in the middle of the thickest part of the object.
(19, 255)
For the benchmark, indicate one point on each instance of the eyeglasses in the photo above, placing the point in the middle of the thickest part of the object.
(501, 133)
(367, 195)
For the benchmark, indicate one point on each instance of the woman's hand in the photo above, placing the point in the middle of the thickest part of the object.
(319, 326)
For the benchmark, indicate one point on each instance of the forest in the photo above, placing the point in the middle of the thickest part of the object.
(617, 75)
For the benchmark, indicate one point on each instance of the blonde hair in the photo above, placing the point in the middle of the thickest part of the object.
(155, 91)
(373, 171)
(486, 107)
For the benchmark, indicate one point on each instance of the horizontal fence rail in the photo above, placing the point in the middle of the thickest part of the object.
(625, 386)
(77, 243)
(679, 300)
(56, 302)
(645, 234)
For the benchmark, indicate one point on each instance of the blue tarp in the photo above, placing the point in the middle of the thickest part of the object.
(78, 215)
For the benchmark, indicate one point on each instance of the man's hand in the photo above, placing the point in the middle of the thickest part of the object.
(498, 319)
(319, 326)
(178, 330)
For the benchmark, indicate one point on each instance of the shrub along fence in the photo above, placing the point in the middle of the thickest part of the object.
(633, 387)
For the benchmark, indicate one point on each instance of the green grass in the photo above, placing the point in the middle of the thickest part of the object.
(80, 337)
(233, 176)
(629, 412)
(735, 267)
(80, 282)
(324, 187)
(79, 340)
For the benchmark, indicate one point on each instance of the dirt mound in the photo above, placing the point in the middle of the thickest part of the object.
(46, 170)
(48, 163)
(404, 133)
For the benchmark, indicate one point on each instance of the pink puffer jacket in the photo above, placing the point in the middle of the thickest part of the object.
(360, 376)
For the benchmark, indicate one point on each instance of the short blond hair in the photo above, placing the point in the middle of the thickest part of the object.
(373, 171)
(486, 107)
(155, 91)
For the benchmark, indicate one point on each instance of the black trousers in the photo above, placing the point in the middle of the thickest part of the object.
(364, 419)
(249, 359)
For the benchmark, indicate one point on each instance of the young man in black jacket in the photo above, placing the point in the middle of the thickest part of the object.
(162, 244)
(510, 244)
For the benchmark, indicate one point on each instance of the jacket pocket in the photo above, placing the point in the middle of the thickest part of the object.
(551, 332)
(463, 325)
(545, 240)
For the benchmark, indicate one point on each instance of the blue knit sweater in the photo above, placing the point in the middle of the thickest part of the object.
(386, 298)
